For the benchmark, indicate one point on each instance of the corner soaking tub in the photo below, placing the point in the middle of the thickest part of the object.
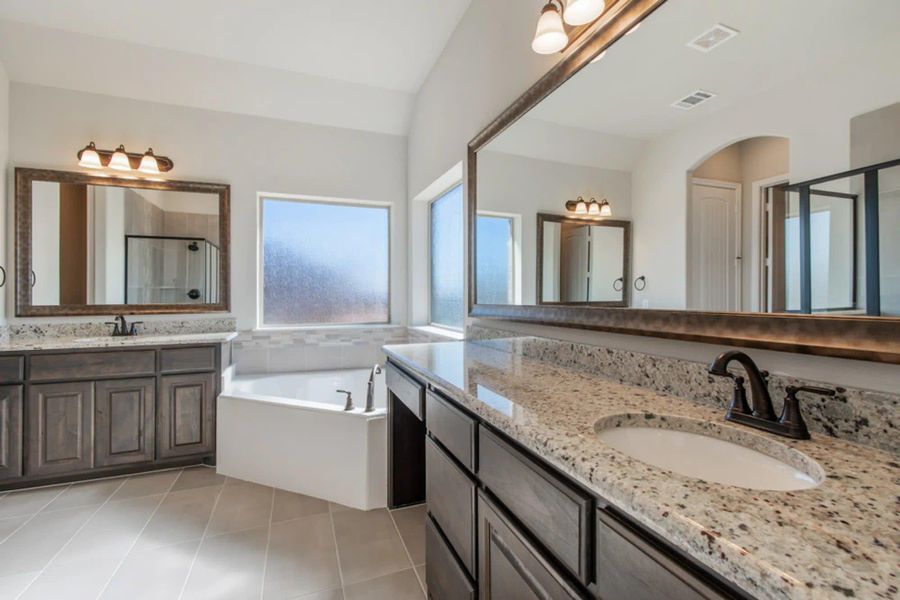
(290, 431)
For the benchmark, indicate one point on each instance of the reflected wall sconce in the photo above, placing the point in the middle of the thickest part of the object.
(121, 160)
(590, 208)
(551, 36)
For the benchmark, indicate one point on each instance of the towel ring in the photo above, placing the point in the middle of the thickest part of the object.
(3, 272)
(619, 284)
(643, 282)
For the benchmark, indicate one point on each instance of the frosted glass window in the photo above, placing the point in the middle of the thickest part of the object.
(494, 269)
(324, 263)
(447, 260)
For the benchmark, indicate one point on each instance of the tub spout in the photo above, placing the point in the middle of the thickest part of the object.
(370, 389)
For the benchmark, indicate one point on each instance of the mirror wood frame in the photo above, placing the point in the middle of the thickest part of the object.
(863, 338)
(23, 221)
(625, 226)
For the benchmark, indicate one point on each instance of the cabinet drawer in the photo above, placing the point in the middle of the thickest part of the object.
(92, 365)
(182, 360)
(445, 578)
(628, 566)
(509, 566)
(12, 368)
(407, 389)
(450, 496)
(556, 513)
(452, 428)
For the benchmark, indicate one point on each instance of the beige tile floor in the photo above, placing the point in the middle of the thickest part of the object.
(191, 533)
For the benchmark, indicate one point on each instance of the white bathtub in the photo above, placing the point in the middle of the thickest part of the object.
(290, 431)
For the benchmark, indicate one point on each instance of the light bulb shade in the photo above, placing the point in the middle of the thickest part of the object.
(89, 157)
(581, 12)
(119, 160)
(593, 208)
(605, 209)
(550, 37)
(581, 208)
(149, 164)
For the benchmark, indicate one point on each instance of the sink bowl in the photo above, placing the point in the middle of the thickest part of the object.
(711, 452)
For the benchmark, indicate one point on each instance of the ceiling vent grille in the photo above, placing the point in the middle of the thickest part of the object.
(693, 99)
(714, 37)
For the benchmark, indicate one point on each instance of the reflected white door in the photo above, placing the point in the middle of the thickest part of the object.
(714, 269)
(607, 262)
(573, 269)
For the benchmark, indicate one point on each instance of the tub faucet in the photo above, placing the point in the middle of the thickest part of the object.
(349, 405)
(370, 390)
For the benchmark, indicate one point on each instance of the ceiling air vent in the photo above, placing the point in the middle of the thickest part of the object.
(717, 35)
(692, 100)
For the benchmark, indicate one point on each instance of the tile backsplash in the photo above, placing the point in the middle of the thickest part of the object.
(858, 415)
(315, 349)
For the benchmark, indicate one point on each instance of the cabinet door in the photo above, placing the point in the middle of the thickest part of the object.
(186, 415)
(124, 421)
(60, 428)
(510, 567)
(10, 432)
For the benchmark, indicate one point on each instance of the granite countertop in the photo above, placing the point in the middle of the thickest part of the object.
(27, 344)
(838, 540)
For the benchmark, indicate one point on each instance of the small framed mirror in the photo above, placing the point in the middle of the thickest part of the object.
(582, 261)
(89, 245)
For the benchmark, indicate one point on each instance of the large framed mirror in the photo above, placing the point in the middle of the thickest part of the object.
(92, 245)
(762, 194)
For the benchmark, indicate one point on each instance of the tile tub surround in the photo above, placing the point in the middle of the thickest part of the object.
(858, 415)
(319, 348)
(838, 540)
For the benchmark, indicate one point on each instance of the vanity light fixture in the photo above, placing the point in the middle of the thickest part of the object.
(604, 209)
(121, 160)
(551, 36)
(591, 208)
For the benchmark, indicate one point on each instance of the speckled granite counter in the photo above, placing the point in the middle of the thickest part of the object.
(839, 540)
(30, 344)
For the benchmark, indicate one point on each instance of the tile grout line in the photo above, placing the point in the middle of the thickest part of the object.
(405, 549)
(202, 539)
(69, 541)
(34, 514)
(337, 553)
(262, 587)
(140, 533)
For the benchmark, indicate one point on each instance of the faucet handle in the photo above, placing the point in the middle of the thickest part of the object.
(349, 405)
(115, 325)
(738, 398)
(791, 415)
(133, 329)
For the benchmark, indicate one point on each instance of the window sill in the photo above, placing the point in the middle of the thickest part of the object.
(287, 328)
(450, 334)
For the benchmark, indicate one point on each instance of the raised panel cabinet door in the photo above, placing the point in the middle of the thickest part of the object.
(60, 428)
(510, 566)
(10, 432)
(186, 415)
(124, 421)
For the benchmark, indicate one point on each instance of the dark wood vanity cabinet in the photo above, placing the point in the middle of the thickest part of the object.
(69, 415)
(503, 524)
(10, 431)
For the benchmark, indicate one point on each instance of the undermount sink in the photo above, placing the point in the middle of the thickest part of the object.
(711, 452)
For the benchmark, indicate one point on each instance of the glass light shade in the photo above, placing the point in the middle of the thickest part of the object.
(581, 208)
(149, 164)
(119, 160)
(633, 29)
(550, 37)
(580, 12)
(605, 209)
(593, 208)
(598, 57)
(90, 158)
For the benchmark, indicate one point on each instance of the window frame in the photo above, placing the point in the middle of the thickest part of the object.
(431, 203)
(515, 267)
(261, 197)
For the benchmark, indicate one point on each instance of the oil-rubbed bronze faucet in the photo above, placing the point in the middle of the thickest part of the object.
(122, 328)
(759, 413)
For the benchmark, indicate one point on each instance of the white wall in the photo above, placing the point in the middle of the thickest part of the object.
(526, 186)
(252, 154)
(4, 188)
(487, 64)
